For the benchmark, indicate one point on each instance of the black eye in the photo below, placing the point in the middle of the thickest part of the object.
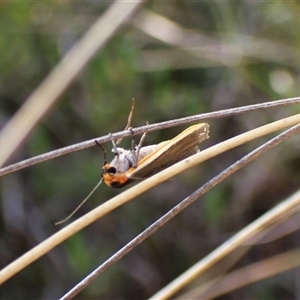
(111, 171)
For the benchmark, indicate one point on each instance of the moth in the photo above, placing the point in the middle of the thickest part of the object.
(142, 162)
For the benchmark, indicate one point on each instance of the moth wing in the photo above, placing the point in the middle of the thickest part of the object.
(169, 152)
(146, 150)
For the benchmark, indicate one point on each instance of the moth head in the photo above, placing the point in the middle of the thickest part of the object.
(108, 170)
(112, 178)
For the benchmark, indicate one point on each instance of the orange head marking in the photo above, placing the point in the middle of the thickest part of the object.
(112, 178)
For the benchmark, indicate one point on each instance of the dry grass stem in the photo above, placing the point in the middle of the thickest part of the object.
(140, 188)
(178, 208)
(255, 272)
(230, 245)
(62, 75)
(193, 49)
(142, 129)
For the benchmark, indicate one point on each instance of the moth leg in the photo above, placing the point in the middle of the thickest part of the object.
(128, 126)
(130, 115)
(139, 146)
(135, 150)
(115, 150)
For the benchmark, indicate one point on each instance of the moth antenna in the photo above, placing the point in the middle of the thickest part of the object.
(75, 210)
(104, 152)
(128, 120)
(90, 194)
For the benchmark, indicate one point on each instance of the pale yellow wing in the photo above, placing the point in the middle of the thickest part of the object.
(169, 152)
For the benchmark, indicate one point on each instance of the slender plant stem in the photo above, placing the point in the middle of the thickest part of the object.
(48, 92)
(178, 208)
(142, 129)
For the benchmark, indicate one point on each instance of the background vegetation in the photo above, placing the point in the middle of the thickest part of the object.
(176, 58)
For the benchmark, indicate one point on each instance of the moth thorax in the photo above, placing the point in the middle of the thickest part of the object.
(124, 160)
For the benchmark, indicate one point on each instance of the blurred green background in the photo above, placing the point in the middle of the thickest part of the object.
(177, 58)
